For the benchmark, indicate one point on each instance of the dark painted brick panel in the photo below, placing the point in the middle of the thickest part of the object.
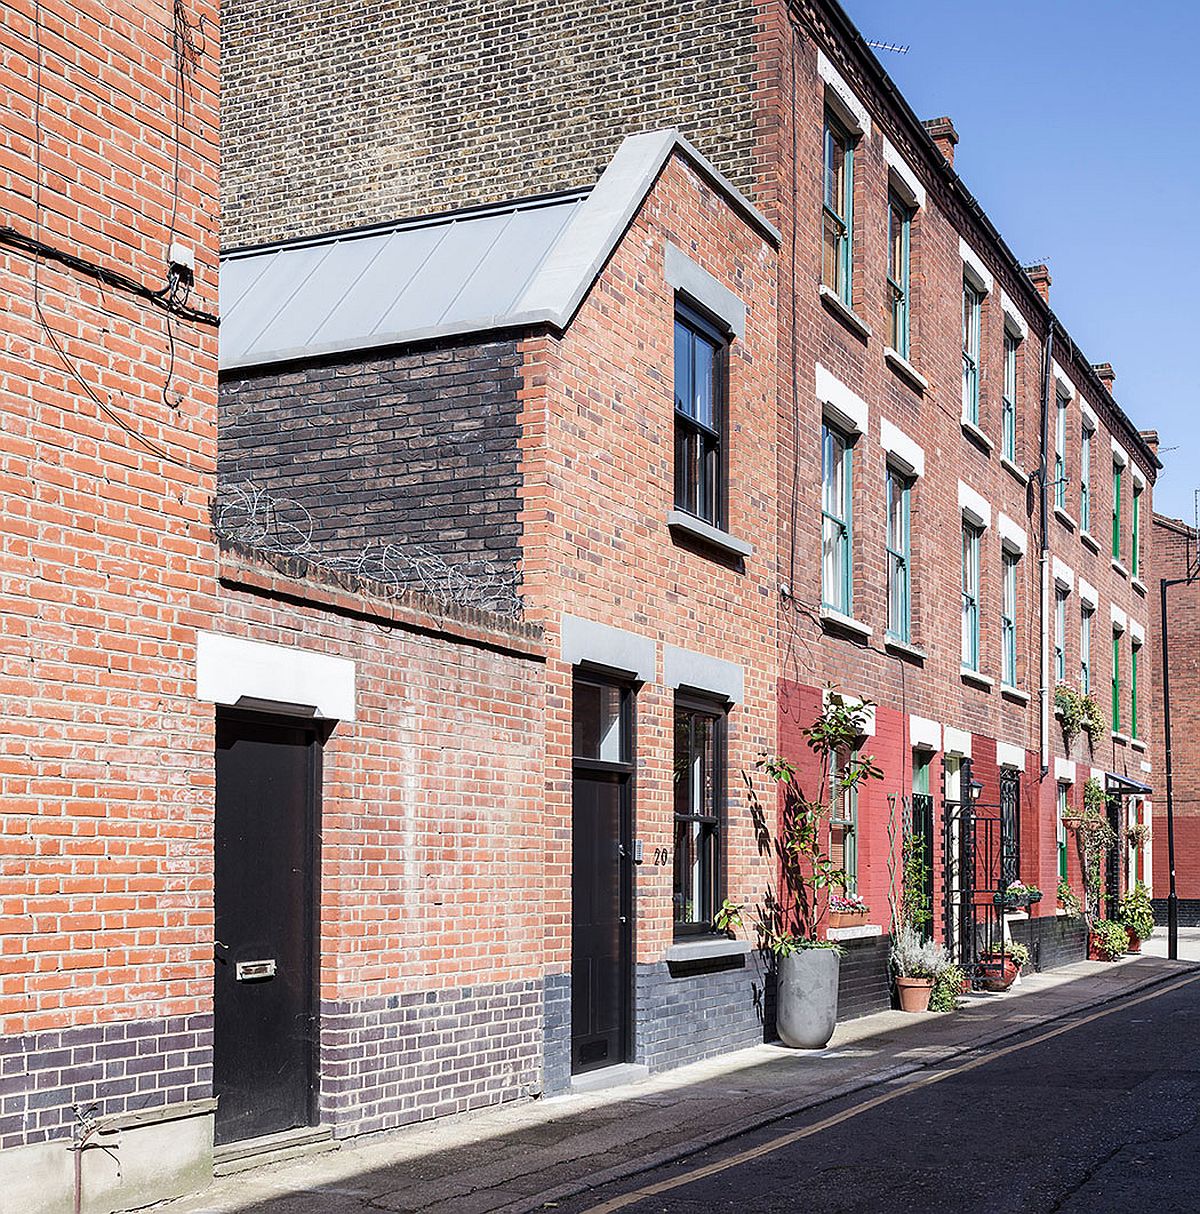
(864, 981)
(116, 1068)
(1052, 940)
(1188, 911)
(390, 1061)
(556, 1047)
(414, 451)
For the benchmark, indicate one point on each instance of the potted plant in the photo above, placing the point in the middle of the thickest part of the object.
(1107, 940)
(1139, 835)
(918, 963)
(1068, 900)
(806, 966)
(1018, 895)
(1137, 917)
(1007, 961)
(950, 983)
(847, 910)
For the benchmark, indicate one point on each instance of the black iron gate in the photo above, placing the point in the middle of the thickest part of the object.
(923, 839)
(977, 853)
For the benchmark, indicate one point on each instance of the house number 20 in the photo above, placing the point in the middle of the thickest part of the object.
(662, 857)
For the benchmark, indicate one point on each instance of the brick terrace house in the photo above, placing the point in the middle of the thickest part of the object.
(961, 501)
(1173, 555)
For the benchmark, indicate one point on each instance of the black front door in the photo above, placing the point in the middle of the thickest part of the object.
(267, 774)
(601, 875)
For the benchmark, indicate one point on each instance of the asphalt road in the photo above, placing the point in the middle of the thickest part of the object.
(1103, 1115)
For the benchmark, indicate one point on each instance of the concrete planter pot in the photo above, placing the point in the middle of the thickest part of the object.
(806, 998)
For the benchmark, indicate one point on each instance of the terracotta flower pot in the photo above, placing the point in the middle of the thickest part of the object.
(1135, 941)
(914, 993)
(1003, 980)
(847, 918)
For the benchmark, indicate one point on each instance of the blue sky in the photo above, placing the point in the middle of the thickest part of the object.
(1077, 123)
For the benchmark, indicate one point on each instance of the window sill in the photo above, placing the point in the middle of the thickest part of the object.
(707, 948)
(904, 649)
(1064, 518)
(864, 931)
(833, 303)
(714, 537)
(905, 369)
(1120, 568)
(979, 680)
(835, 620)
(1015, 916)
(1012, 468)
(1014, 693)
(1090, 540)
(1124, 738)
(977, 436)
(1138, 585)
(1137, 743)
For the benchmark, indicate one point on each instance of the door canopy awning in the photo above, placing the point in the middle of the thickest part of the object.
(1122, 786)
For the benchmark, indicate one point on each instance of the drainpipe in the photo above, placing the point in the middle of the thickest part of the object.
(1045, 699)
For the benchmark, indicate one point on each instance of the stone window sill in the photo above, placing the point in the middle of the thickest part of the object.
(979, 680)
(1138, 585)
(706, 948)
(1014, 693)
(904, 648)
(1064, 518)
(905, 369)
(1124, 738)
(1090, 540)
(977, 436)
(834, 304)
(864, 931)
(1137, 743)
(1012, 468)
(1015, 916)
(840, 622)
(1119, 568)
(714, 537)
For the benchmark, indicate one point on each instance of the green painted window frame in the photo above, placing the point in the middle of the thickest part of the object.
(899, 555)
(1008, 416)
(1062, 402)
(972, 327)
(1008, 616)
(1085, 648)
(837, 217)
(837, 519)
(1134, 651)
(1060, 828)
(1116, 683)
(971, 540)
(1135, 538)
(921, 760)
(1116, 513)
(900, 216)
(1085, 479)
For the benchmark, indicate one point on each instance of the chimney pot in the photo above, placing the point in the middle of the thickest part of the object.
(1039, 275)
(942, 132)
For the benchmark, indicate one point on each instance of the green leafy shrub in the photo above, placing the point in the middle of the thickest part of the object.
(947, 988)
(1068, 898)
(1136, 912)
(1110, 937)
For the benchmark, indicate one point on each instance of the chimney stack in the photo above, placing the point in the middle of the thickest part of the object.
(942, 132)
(1039, 275)
(1150, 437)
(1106, 375)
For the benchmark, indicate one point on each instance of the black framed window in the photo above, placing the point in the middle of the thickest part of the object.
(701, 375)
(699, 812)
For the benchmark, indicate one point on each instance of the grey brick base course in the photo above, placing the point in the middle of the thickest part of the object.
(118, 1068)
(556, 1047)
(1052, 940)
(1188, 910)
(390, 1061)
(864, 981)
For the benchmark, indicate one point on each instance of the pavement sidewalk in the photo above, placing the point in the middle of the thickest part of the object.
(527, 1155)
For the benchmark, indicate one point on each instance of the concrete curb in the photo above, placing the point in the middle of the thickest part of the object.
(527, 1205)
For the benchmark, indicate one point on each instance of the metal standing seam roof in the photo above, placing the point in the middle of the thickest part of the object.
(510, 266)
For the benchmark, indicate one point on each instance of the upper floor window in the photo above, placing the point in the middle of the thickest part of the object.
(700, 392)
(838, 210)
(899, 246)
(1116, 682)
(1085, 479)
(1060, 634)
(836, 520)
(972, 314)
(1134, 653)
(699, 810)
(1116, 513)
(899, 587)
(1060, 452)
(970, 595)
(1008, 617)
(1135, 538)
(1085, 649)
(1008, 420)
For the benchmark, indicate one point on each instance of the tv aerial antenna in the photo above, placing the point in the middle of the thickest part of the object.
(895, 48)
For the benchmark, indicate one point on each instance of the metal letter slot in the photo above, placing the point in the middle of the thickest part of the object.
(249, 971)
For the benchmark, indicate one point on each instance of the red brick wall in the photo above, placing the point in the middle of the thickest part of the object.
(106, 562)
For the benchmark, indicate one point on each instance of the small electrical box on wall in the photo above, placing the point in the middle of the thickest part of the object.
(638, 851)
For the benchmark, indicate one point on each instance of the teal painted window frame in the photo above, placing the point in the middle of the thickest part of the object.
(1085, 649)
(838, 212)
(972, 324)
(1085, 480)
(1008, 617)
(837, 519)
(899, 283)
(845, 818)
(899, 555)
(1116, 513)
(1060, 451)
(971, 537)
(1060, 635)
(1008, 416)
